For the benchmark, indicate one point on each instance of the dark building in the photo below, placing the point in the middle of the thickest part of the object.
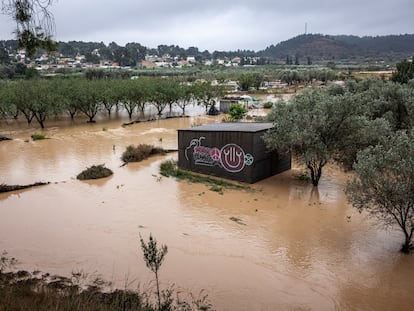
(230, 150)
(226, 102)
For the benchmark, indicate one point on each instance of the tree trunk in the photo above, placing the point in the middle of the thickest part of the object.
(407, 244)
(316, 172)
(130, 113)
(158, 290)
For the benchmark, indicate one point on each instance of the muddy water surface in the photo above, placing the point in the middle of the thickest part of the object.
(293, 248)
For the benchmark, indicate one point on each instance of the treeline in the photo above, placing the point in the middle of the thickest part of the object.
(40, 99)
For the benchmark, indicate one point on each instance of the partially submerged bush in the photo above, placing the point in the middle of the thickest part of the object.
(267, 105)
(95, 172)
(237, 111)
(140, 152)
(38, 136)
(4, 138)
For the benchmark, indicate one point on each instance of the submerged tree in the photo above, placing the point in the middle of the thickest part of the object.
(154, 257)
(311, 127)
(384, 183)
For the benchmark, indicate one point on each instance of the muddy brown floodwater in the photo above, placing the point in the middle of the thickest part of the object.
(294, 248)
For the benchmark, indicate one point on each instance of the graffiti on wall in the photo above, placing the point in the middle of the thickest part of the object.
(230, 157)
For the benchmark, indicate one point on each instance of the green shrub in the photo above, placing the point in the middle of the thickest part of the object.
(95, 172)
(140, 152)
(38, 136)
(237, 111)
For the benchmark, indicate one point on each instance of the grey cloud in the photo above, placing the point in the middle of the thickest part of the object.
(222, 25)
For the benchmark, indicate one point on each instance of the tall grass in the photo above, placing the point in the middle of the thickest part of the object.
(169, 168)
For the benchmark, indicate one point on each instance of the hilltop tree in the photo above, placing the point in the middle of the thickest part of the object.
(384, 183)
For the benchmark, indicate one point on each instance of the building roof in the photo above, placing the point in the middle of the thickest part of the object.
(232, 127)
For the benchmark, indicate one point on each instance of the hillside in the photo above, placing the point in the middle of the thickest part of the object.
(319, 47)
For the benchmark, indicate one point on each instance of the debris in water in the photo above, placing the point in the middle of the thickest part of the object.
(7, 188)
(237, 220)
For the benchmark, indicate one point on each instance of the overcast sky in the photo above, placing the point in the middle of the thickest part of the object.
(220, 24)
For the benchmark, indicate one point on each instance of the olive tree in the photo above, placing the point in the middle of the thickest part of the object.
(311, 126)
(384, 183)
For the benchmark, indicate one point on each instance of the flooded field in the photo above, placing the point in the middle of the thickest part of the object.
(294, 248)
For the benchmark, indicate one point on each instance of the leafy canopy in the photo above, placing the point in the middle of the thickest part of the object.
(384, 183)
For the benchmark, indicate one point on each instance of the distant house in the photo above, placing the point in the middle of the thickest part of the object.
(191, 59)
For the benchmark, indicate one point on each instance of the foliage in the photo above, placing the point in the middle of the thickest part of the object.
(237, 112)
(40, 99)
(95, 172)
(404, 72)
(34, 23)
(38, 136)
(140, 152)
(384, 183)
(246, 81)
(154, 257)
(309, 127)
(207, 94)
(319, 127)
